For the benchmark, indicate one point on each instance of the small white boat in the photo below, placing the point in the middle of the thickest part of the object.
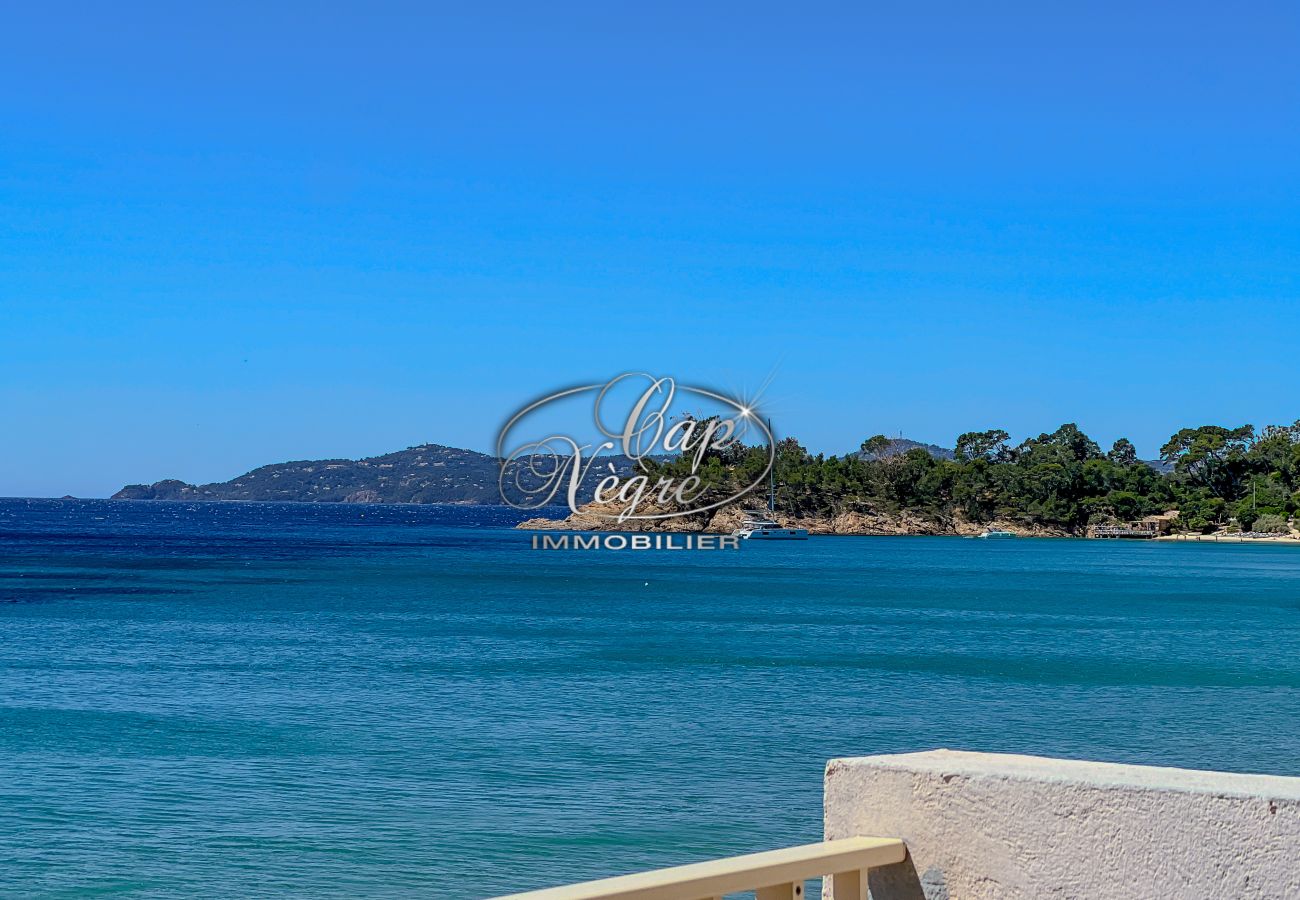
(759, 526)
(996, 533)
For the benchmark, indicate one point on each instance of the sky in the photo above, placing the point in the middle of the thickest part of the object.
(235, 234)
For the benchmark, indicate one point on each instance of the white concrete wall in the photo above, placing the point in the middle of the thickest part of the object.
(987, 826)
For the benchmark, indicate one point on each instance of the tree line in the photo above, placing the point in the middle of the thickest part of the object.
(1062, 479)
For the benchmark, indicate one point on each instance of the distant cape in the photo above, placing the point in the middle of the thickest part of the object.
(429, 473)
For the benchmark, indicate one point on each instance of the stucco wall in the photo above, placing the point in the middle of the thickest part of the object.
(986, 826)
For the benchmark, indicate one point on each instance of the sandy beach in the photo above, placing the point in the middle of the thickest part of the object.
(1230, 538)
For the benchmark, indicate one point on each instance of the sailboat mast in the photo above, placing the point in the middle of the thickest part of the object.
(771, 473)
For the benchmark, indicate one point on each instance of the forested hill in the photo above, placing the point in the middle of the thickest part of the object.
(429, 473)
(898, 446)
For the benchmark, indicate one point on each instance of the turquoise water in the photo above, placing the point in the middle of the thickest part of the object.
(244, 700)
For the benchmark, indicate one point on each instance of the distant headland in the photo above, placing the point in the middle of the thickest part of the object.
(425, 474)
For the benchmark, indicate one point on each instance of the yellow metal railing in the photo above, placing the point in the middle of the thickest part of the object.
(774, 875)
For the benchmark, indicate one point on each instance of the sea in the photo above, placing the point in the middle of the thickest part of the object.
(252, 700)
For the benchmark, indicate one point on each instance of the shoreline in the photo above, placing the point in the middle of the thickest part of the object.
(1164, 539)
(1227, 539)
(589, 520)
(894, 526)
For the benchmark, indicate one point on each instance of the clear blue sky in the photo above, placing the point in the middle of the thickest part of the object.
(234, 234)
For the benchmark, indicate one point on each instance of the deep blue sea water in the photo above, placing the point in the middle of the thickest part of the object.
(261, 699)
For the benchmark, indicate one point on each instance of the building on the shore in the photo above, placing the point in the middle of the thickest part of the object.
(1146, 527)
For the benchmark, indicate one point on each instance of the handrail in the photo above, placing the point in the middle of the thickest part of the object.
(773, 874)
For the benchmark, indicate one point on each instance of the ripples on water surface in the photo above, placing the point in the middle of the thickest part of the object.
(267, 699)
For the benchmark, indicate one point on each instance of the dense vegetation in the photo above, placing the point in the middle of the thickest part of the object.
(1061, 480)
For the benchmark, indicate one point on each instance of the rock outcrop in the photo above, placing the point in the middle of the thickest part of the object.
(594, 517)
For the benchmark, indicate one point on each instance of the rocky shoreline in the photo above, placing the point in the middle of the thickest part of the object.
(726, 520)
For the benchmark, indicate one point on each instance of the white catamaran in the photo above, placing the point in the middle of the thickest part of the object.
(758, 524)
